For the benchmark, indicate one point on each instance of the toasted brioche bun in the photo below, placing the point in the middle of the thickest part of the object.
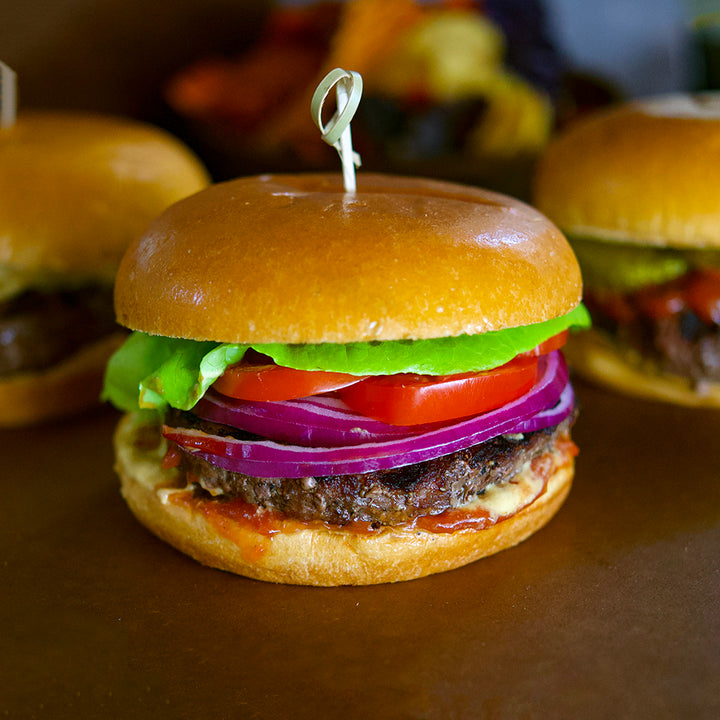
(294, 259)
(76, 189)
(599, 360)
(645, 172)
(312, 556)
(64, 389)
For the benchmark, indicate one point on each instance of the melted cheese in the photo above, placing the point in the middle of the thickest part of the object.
(508, 498)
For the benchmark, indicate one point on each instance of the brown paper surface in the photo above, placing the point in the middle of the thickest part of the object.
(611, 611)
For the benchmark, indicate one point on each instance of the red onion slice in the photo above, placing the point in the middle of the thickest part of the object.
(546, 404)
(316, 421)
(550, 417)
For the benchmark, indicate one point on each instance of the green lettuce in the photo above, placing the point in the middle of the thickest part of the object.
(154, 371)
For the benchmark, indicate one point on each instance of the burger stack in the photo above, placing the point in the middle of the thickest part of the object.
(75, 190)
(330, 388)
(635, 189)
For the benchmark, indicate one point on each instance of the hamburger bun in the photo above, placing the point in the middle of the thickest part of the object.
(475, 261)
(75, 190)
(600, 360)
(637, 183)
(294, 259)
(642, 173)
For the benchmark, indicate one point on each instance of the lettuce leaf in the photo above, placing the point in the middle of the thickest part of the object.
(154, 371)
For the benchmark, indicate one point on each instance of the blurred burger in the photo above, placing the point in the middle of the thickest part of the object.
(327, 388)
(75, 189)
(635, 191)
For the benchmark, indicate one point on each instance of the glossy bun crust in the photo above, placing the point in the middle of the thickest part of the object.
(76, 189)
(294, 259)
(321, 557)
(646, 172)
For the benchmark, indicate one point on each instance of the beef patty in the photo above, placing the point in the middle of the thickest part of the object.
(385, 497)
(39, 329)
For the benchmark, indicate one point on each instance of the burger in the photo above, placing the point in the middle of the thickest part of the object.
(331, 388)
(75, 189)
(634, 189)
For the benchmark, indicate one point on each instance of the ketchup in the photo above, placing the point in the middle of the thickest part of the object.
(172, 457)
(230, 520)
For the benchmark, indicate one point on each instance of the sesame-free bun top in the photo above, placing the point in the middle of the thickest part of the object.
(646, 172)
(294, 259)
(77, 188)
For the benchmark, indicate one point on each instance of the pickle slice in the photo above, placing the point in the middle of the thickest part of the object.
(624, 267)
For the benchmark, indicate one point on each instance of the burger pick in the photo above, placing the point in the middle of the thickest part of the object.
(75, 190)
(330, 388)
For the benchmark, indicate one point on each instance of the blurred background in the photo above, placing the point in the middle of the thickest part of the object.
(463, 89)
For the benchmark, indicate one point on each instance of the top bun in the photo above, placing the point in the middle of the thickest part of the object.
(647, 172)
(294, 259)
(75, 189)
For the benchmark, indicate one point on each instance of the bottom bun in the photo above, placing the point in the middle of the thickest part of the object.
(321, 556)
(65, 389)
(594, 356)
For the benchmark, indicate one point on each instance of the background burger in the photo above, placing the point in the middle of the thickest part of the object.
(345, 388)
(635, 189)
(74, 191)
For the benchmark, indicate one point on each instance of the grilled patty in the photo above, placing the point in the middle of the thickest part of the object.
(386, 497)
(40, 329)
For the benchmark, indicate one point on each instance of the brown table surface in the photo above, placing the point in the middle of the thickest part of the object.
(611, 611)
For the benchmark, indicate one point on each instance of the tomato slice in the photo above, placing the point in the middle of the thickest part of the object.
(410, 399)
(275, 382)
(265, 381)
(553, 343)
(703, 294)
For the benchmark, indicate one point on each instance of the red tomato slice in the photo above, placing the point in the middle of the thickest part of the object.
(553, 343)
(703, 294)
(409, 399)
(274, 382)
(268, 382)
